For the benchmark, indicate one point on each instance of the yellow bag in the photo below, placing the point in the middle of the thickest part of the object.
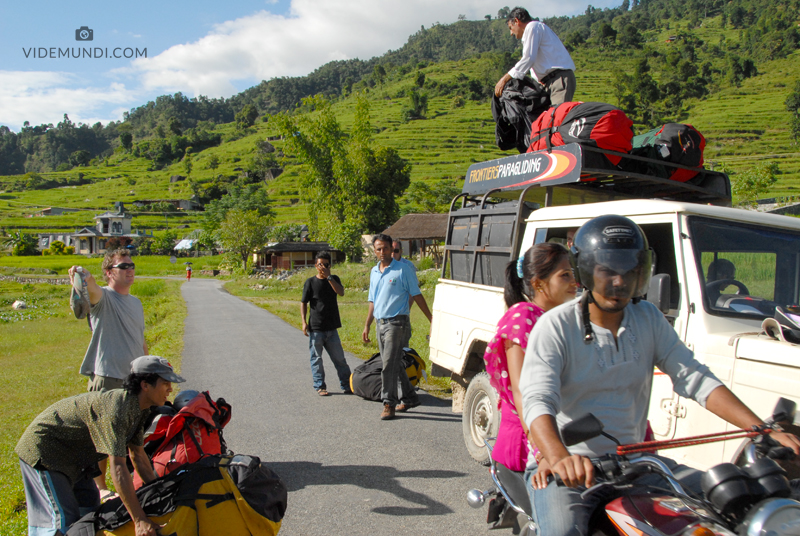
(235, 496)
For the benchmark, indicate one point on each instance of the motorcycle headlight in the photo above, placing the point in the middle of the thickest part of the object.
(706, 529)
(774, 517)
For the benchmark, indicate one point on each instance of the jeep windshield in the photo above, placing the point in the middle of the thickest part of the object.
(747, 270)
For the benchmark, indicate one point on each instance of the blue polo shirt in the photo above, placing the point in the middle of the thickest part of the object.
(389, 291)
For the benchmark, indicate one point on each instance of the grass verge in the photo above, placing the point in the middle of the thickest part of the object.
(282, 298)
(148, 265)
(39, 358)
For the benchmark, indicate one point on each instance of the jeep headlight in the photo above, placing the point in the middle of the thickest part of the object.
(774, 517)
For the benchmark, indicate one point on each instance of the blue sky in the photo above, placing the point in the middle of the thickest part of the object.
(199, 47)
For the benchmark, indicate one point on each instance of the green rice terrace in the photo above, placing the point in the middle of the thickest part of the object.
(740, 107)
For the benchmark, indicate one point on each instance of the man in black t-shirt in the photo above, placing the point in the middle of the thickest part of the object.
(320, 293)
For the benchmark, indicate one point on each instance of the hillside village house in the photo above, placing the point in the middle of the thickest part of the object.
(420, 234)
(290, 255)
(93, 240)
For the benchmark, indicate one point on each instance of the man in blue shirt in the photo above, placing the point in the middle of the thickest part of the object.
(391, 285)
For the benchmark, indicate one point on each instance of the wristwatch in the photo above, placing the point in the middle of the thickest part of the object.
(330, 278)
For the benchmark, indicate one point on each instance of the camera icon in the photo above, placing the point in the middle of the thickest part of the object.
(84, 34)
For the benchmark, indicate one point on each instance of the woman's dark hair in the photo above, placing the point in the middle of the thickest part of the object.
(133, 383)
(539, 261)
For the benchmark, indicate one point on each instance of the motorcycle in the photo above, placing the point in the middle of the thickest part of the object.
(753, 499)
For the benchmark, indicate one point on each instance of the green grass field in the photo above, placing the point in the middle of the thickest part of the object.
(40, 353)
(146, 265)
(742, 125)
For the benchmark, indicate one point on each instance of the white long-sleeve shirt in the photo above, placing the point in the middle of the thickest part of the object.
(567, 378)
(542, 52)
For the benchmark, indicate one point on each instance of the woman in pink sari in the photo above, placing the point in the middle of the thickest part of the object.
(540, 280)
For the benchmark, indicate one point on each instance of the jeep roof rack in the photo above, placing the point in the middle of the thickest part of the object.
(483, 233)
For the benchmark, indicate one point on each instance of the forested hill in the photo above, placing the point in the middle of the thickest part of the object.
(656, 86)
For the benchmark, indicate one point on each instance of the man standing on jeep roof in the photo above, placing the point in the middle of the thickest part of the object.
(391, 283)
(320, 293)
(542, 53)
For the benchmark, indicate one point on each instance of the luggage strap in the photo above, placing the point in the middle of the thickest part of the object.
(549, 131)
(215, 499)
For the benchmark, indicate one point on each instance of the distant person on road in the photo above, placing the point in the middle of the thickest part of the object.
(543, 54)
(60, 450)
(540, 280)
(117, 321)
(320, 293)
(391, 284)
(188, 272)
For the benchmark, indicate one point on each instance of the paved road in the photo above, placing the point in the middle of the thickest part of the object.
(348, 472)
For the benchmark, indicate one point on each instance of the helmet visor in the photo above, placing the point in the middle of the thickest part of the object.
(618, 261)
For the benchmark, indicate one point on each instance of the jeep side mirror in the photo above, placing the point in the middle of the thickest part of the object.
(581, 429)
(658, 294)
(784, 411)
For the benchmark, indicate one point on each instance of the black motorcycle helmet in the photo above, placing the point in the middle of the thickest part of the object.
(616, 244)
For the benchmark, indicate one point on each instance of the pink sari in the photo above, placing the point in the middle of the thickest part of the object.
(511, 447)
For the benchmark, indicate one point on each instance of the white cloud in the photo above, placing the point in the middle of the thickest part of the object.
(263, 45)
(243, 52)
(44, 97)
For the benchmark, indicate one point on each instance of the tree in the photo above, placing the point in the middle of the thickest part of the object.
(213, 162)
(288, 232)
(248, 197)
(80, 158)
(379, 74)
(750, 184)
(503, 12)
(164, 244)
(187, 163)
(21, 244)
(431, 199)
(243, 232)
(419, 79)
(246, 117)
(352, 185)
(126, 140)
(793, 107)
(418, 105)
(175, 126)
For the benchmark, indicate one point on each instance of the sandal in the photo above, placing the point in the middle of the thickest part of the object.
(107, 495)
(322, 392)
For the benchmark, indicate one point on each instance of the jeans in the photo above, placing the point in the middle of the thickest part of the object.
(317, 340)
(54, 503)
(560, 511)
(393, 335)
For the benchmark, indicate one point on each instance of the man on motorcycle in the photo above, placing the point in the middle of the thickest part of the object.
(596, 354)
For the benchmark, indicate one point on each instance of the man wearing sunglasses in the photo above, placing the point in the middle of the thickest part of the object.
(320, 293)
(117, 321)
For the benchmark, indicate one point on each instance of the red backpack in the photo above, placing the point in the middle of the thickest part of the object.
(593, 124)
(189, 435)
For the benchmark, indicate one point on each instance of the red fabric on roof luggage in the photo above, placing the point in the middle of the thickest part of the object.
(593, 124)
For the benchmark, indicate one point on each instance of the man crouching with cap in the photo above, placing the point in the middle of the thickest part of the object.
(59, 451)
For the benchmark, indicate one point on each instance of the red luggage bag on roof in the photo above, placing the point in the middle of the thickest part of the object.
(593, 124)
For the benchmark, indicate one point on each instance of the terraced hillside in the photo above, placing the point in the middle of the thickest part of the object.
(743, 125)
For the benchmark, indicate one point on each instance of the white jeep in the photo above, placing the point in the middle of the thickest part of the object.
(687, 225)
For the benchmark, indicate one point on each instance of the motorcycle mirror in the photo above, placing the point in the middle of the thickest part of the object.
(476, 498)
(581, 429)
(784, 411)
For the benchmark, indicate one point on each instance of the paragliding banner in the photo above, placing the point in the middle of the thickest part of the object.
(559, 166)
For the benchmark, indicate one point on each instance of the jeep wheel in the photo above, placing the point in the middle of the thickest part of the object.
(480, 419)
